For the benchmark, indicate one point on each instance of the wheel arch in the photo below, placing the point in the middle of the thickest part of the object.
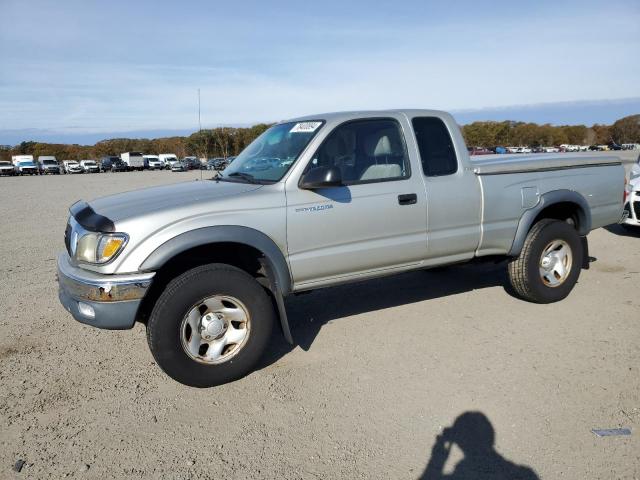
(559, 205)
(239, 245)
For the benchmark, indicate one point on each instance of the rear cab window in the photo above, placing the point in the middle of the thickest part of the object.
(437, 153)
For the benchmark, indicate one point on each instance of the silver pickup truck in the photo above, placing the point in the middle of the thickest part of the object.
(314, 202)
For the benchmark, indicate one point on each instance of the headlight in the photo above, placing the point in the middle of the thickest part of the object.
(100, 247)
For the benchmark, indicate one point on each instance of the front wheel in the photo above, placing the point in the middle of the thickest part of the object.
(210, 325)
(549, 264)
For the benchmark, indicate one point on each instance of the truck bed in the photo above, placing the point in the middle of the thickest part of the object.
(517, 163)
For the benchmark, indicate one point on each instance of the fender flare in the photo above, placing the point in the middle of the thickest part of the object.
(279, 274)
(546, 200)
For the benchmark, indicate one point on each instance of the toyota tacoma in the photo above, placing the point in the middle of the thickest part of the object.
(319, 201)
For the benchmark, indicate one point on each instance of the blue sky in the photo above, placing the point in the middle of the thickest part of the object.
(83, 69)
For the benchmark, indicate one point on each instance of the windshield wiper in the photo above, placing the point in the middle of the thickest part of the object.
(245, 176)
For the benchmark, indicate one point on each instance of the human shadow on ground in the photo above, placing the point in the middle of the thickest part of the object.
(473, 433)
(307, 313)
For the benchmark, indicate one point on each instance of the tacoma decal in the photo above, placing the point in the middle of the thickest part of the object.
(315, 208)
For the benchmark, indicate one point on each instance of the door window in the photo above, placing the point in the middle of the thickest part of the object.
(365, 151)
(436, 147)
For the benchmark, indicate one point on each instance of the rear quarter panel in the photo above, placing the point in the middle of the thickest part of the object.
(507, 196)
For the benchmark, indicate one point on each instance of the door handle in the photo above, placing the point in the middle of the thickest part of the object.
(408, 199)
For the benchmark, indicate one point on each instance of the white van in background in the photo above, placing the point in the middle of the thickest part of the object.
(152, 162)
(168, 159)
(133, 160)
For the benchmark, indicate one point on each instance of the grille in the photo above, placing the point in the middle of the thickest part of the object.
(67, 238)
(636, 209)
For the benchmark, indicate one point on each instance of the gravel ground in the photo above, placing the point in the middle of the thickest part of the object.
(380, 369)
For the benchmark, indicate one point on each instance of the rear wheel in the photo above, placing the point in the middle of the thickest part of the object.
(210, 326)
(549, 265)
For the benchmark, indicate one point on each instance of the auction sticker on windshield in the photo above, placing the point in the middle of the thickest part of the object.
(305, 127)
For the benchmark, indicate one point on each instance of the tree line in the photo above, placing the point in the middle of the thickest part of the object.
(228, 141)
(216, 142)
(510, 133)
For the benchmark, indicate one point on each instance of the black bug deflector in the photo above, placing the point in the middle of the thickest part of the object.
(89, 219)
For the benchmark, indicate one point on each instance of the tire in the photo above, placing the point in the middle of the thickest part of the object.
(166, 332)
(531, 278)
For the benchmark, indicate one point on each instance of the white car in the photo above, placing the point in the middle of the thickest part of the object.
(632, 198)
(6, 168)
(168, 159)
(71, 166)
(89, 166)
(153, 162)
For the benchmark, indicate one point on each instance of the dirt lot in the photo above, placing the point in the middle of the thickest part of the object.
(379, 371)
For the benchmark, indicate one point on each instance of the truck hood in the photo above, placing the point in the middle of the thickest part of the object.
(137, 203)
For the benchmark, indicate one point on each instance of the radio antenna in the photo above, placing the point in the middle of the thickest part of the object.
(199, 128)
(199, 123)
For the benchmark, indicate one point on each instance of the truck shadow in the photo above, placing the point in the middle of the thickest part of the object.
(623, 232)
(307, 313)
(474, 435)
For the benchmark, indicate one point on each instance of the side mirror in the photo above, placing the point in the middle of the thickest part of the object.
(321, 177)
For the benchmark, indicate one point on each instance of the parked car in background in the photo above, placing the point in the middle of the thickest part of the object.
(89, 166)
(179, 166)
(15, 159)
(24, 165)
(632, 199)
(107, 162)
(7, 169)
(614, 146)
(71, 166)
(551, 150)
(26, 168)
(569, 148)
(168, 159)
(479, 151)
(133, 160)
(153, 162)
(218, 163)
(499, 150)
(192, 163)
(48, 164)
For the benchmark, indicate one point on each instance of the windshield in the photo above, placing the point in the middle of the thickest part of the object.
(49, 162)
(271, 155)
(89, 162)
(26, 164)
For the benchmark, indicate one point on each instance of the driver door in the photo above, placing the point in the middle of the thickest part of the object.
(374, 222)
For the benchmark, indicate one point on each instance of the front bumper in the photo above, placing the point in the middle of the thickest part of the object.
(103, 301)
